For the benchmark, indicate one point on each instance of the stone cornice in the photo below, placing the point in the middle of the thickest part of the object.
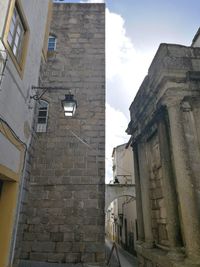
(171, 77)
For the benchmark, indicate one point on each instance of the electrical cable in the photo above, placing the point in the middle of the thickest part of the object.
(72, 132)
(81, 140)
(85, 143)
(12, 131)
(90, 147)
(3, 122)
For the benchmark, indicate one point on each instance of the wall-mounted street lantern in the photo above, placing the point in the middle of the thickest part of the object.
(116, 181)
(69, 104)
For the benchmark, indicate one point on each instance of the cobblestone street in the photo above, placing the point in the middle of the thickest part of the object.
(126, 259)
(46, 264)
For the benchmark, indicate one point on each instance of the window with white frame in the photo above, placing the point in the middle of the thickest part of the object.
(52, 43)
(16, 35)
(42, 116)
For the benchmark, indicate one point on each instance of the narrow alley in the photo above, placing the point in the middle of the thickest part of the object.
(126, 259)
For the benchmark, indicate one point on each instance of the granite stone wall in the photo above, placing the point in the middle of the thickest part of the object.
(64, 219)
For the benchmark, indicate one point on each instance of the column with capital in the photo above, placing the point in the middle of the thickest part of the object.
(140, 222)
(184, 183)
(144, 183)
(190, 109)
(169, 190)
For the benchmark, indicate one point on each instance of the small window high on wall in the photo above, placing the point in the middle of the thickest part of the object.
(52, 43)
(42, 117)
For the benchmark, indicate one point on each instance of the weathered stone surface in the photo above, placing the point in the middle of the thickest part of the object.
(165, 136)
(43, 246)
(64, 215)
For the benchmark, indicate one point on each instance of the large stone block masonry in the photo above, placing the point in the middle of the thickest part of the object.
(65, 208)
(165, 136)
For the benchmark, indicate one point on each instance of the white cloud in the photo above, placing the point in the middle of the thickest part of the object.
(125, 67)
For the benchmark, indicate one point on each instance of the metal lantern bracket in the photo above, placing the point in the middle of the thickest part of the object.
(69, 104)
(44, 89)
(38, 96)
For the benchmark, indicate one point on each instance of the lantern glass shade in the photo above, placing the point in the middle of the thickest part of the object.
(116, 181)
(69, 105)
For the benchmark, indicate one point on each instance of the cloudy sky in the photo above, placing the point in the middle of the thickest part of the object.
(134, 30)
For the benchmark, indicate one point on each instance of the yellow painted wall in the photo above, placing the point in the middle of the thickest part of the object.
(12, 180)
(9, 196)
(7, 214)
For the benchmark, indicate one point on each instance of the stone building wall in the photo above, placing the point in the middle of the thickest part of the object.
(64, 218)
(124, 207)
(158, 209)
(165, 139)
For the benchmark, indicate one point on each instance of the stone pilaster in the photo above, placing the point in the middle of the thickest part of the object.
(140, 222)
(170, 195)
(185, 186)
(191, 117)
(144, 182)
